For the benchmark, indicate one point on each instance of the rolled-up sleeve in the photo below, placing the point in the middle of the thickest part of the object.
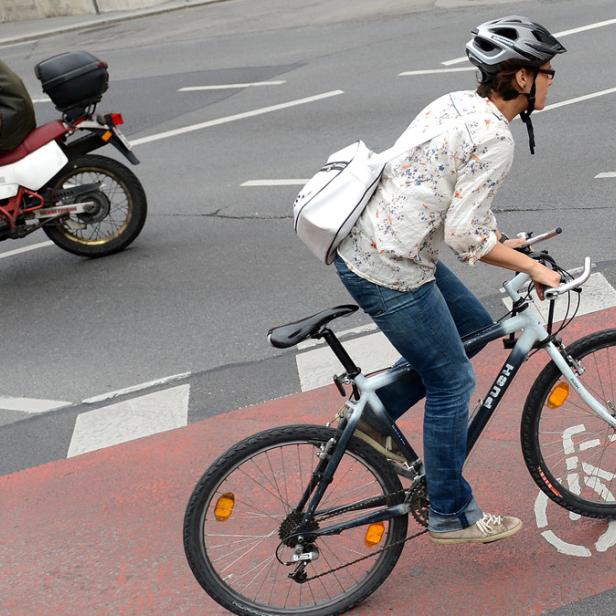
(470, 225)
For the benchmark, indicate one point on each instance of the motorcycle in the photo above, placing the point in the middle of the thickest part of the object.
(87, 204)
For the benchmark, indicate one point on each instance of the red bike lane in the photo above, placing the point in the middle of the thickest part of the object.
(101, 533)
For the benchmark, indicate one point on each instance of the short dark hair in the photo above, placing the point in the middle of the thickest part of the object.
(500, 82)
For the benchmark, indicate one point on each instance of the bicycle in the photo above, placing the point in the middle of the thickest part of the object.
(311, 520)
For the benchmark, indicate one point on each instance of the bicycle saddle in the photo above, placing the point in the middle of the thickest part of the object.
(291, 334)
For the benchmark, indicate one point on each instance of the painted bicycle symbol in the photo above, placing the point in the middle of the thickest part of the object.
(579, 473)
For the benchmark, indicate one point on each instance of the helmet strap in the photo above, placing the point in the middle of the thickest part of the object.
(525, 116)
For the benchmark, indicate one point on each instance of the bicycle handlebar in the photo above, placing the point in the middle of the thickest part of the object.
(572, 284)
(539, 238)
(515, 283)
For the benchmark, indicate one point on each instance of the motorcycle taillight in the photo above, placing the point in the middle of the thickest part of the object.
(114, 119)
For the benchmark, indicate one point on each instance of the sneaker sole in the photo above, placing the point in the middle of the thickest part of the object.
(490, 539)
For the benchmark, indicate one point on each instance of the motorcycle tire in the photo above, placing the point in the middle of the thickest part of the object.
(120, 213)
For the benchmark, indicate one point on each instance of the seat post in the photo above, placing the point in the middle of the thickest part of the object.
(349, 365)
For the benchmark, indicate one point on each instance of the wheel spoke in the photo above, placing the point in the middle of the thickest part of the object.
(242, 543)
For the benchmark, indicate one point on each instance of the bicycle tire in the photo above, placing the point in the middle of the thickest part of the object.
(559, 477)
(201, 557)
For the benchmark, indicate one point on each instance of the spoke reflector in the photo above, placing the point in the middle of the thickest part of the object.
(559, 395)
(374, 534)
(224, 507)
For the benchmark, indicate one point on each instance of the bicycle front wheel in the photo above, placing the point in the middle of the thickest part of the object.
(568, 449)
(244, 507)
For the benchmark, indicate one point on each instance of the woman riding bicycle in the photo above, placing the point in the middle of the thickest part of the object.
(441, 191)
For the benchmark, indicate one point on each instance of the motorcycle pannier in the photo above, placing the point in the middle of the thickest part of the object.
(73, 80)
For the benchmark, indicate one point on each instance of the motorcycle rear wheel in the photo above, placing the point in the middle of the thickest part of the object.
(120, 214)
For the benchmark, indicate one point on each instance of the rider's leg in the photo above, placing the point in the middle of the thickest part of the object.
(468, 314)
(419, 324)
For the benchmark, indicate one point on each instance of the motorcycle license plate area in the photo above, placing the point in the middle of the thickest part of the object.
(125, 142)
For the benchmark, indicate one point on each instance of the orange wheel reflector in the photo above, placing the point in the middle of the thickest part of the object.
(558, 395)
(224, 507)
(374, 534)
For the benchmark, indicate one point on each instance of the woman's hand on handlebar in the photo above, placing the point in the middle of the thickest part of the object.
(543, 277)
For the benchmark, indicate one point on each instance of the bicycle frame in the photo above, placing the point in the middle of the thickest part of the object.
(528, 320)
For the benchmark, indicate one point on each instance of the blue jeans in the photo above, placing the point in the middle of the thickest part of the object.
(425, 326)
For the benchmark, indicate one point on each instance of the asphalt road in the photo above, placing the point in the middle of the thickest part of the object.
(218, 264)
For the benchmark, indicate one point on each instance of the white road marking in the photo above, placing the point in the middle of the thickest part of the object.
(437, 71)
(578, 99)
(371, 352)
(598, 294)
(31, 405)
(598, 24)
(233, 118)
(128, 390)
(307, 344)
(18, 251)
(606, 174)
(41, 100)
(570, 549)
(570, 101)
(603, 543)
(125, 421)
(274, 182)
(232, 86)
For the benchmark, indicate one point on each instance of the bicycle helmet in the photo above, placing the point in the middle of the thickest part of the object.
(512, 38)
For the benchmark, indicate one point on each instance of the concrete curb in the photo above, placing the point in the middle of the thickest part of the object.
(102, 20)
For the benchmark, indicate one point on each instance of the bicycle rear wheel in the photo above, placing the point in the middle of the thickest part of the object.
(568, 449)
(243, 507)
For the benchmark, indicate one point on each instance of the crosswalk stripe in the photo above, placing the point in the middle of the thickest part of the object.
(317, 366)
(130, 419)
(30, 405)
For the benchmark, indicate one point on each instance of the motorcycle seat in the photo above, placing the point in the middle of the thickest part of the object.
(40, 136)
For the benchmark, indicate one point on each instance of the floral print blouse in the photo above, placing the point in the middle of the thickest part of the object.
(438, 191)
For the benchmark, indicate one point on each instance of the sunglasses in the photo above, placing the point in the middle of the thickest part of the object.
(550, 72)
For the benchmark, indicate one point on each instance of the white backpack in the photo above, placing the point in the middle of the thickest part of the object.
(330, 203)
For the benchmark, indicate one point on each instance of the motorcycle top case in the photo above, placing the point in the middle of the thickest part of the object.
(73, 80)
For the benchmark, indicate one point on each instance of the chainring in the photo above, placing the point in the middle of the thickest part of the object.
(419, 503)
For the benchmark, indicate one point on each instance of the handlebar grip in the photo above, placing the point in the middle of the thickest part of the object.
(573, 284)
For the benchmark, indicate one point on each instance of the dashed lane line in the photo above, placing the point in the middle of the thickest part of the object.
(235, 117)
(233, 86)
(290, 182)
(18, 251)
(606, 174)
(437, 71)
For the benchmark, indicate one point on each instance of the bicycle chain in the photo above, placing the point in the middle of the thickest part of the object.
(416, 494)
(353, 562)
